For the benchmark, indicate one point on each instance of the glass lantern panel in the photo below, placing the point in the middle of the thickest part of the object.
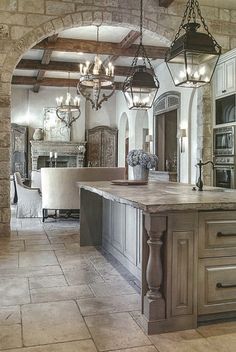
(140, 98)
(192, 69)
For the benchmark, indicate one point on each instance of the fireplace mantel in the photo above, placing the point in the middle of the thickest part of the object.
(63, 149)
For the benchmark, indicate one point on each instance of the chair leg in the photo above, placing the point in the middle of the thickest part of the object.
(44, 210)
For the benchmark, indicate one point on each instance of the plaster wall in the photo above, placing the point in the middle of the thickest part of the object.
(28, 109)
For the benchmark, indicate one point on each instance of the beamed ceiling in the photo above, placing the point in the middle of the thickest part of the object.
(48, 62)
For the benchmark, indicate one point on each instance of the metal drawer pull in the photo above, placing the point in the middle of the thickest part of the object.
(220, 234)
(220, 285)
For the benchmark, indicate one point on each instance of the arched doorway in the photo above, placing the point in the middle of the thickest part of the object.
(16, 48)
(166, 129)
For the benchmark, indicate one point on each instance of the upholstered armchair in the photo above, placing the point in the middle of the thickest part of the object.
(29, 201)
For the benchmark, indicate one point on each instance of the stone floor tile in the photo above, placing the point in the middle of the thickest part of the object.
(223, 343)
(31, 272)
(53, 322)
(40, 258)
(69, 259)
(217, 329)
(110, 289)
(60, 293)
(113, 304)
(47, 281)
(8, 245)
(8, 260)
(138, 349)
(182, 341)
(10, 336)
(75, 346)
(44, 247)
(33, 241)
(86, 275)
(10, 315)
(14, 291)
(115, 331)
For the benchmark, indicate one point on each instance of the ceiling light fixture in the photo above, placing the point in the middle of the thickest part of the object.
(192, 57)
(141, 84)
(94, 79)
(68, 108)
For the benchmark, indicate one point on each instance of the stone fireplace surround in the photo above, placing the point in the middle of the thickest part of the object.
(67, 152)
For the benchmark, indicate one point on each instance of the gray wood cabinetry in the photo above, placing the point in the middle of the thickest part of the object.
(217, 262)
(121, 233)
(184, 257)
(102, 146)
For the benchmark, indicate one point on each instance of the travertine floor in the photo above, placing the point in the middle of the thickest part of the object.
(58, 297)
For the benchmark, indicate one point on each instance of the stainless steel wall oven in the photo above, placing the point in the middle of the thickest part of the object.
(224, 140)
(224, 172)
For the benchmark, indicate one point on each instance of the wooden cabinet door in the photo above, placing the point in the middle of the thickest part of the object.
(219, 80)
(230, 76)
(19, 149)
(225, 78)
(102, 146)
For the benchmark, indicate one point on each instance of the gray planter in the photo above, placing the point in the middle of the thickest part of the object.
(140, 173)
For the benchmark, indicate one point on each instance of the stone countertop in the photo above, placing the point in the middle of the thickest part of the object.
(165, 196)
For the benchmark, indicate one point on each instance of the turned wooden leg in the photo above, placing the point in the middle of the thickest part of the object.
(154, 303)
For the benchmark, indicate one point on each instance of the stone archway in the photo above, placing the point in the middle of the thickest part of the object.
(13, 50)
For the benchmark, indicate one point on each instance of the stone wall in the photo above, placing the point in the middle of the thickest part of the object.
(23, 23)
(204, 133)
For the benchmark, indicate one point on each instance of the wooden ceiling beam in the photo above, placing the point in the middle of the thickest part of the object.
(126, 42)
(165, 3)
(102, 48)
(51, 82)
(62, 66)
(45, 61)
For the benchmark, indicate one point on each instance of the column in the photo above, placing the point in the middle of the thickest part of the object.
(154, 303)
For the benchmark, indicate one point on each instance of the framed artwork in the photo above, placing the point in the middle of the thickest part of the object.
(54, 129)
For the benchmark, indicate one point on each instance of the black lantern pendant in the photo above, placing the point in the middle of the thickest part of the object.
(192, 58)
(141, 85)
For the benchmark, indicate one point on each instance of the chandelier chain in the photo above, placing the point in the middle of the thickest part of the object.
(141, 22)
(190, 14)
(205, 25)
(182, 23)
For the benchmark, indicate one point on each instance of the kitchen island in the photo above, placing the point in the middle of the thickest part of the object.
(180, 243)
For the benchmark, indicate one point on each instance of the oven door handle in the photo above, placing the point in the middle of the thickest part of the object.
(225, 166)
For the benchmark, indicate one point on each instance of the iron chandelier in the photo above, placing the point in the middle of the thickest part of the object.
(95, 78)
(68, 108)
(192, 57)
(141, 84)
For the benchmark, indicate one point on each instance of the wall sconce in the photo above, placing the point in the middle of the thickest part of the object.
(148, 140)
(182, 133)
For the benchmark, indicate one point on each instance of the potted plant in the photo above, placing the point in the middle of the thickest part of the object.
(141, 162)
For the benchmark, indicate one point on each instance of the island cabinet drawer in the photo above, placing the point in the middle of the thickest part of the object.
(217, 285)
(217, 234)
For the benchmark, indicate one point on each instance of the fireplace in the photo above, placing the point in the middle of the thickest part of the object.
(68, 154)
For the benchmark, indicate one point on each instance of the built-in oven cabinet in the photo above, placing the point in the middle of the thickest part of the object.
(225, 79)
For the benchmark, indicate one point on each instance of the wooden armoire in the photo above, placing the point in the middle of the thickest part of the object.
(19, 149)
(102, 146)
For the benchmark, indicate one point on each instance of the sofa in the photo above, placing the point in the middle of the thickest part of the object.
(59, 188)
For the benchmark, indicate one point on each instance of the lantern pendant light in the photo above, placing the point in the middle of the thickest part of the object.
(192, 57)
(141, 84)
